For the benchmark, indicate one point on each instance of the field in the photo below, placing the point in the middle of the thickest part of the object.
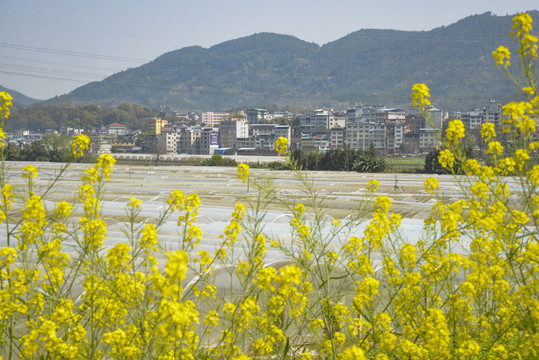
(340, 193)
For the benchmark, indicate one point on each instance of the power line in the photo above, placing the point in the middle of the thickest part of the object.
(44, 76)
(41, 70)
(73, 53)
(58, 63)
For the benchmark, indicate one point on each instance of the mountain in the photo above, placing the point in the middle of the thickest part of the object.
(19, 98)
(367, 66)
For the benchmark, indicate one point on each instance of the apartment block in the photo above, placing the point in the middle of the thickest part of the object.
(255, 115)
(190, 141)
(486, 114)
(168, 142)
(231, 130)
(155, 125)
(209, 140)
(358, 135)
(210, 118)
(336, 138)
(319, 119)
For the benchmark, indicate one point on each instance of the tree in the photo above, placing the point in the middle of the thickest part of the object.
(370, 164)
(155, 147)
(58, 146)
(432, 165)
(236, 114)
(125, 107)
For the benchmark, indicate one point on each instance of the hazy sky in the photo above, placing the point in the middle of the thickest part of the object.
(51, 47)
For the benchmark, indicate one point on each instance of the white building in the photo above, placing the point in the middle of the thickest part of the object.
(116, 129)
(210, 118)
(319, 119)
(358, 135)
(169, 142)
(337, 122)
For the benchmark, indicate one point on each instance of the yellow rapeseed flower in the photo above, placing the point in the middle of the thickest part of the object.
(502, 56)
(81, 143)
(176, 266)
(281, 145)
(300, 208)
(29, 172)
(7, 196)
(521, 157)
(520, 115)
(446, 159)
(134, 203)
(119, 256)
(495, 148)
(431, 185)
(63, 209)
(372, 185)
(176, 200)
(488, 132)
(243, 172)
(352, 353)
(420, 94)
(522, 24)
(455, 131)
(7, 256)
(5, 104)
(105, 162)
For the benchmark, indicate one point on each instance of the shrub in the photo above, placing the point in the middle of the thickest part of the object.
(218, 160)
(370, 164)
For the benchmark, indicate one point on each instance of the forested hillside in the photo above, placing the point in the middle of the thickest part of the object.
(18, 98)
(368, 66)
(42, 117)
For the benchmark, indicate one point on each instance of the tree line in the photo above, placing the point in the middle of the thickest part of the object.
(41, 117)
(347, 159)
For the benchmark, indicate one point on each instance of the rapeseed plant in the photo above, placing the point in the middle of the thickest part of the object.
(468, 289)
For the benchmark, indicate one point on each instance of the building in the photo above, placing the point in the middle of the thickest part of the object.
(471, 119)
(475, 118)
(337, 138)
(394, 136)
(209, 140)
(361, 113)
(155, 125)
(231, 130)
(319, 119)
(431, 132)
(429, 139)
(493, 114)
(210, 118)
(283, 131)
(435, 119)
(255, 115)
(246, 143)
(189, 141)
(168, 142)
(70, 130)
(116, 129)
(264, 137)
(262, 129)
(337, 121)
(279, 115)
(358, 135)
(389, 114)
